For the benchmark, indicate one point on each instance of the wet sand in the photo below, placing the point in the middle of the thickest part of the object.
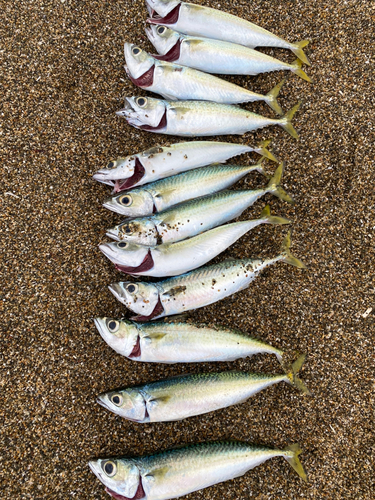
(62, 81)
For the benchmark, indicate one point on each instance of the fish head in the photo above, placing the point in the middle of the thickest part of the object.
(142, 231)
(143, 111)
(162, 38)
(121, 335)
(141, 298)
(120, 475)
(131, 204)
(122, 168)
(127, 403)
(125, 253)
(138, 61)
(162, 7)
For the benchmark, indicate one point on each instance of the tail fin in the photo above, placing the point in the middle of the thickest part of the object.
(262, 150)
(271, 219)
(292, 375)
(294, 460)
(287, 256)
(296, 48)
(296, 68)
(274, 185)
(271, 98)
(286, 121)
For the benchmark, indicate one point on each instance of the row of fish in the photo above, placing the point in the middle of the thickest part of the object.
(178, 220)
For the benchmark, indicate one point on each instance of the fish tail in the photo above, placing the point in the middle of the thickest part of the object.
(286, 121)
(271, 219)
(271, 98)
(293, 372)
(296, 48)
(262, 150)
(296, 69)
(274, 185)
(286, 254)
(294, 460)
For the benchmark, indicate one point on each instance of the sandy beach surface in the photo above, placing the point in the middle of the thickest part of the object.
(62, 80)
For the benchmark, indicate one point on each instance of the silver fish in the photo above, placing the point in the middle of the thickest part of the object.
(164, 342)
(198, 20)
(195, 216)
(163, 161)
(198, 118)
(174, 473)
(173, 81)
(195, 289)
(160, 195)
(215, 56)
(172, 259)
(190, 395)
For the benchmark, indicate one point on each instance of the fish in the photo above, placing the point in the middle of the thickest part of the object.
(187, 396)
(163, 161)
(195, 216)
(178, 342)
(172, 259)
(215, 56)
(165, 193)
(198, 20)
(197, 288)
(177, 472)
(198, 118)
(173, 81)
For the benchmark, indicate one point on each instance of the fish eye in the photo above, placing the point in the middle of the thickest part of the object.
(117, 399)
(161, 30)
(136, 51)
(111, 165)
(141, 101)
(126, 200)
(132, 288)
(113, 325)
(109, 468)
(122, 244)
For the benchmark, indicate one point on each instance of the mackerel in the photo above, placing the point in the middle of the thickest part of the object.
(164, 342)
(173, 81)
(196, 289)
(190, 395)
(172, 259)
(160, 195)
(215, 56)
(195, 216)
(162, 161)
(198, 118)
(198, 20)
(174, 473)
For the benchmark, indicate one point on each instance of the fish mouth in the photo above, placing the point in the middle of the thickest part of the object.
(99, 323)
(113, 233)
(109, 252)
(128, 109)
(94, 468)
(100, 177)
(102, 403)
(110, 205)
(117, 291)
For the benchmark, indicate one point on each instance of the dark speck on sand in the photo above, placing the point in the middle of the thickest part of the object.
(62, 79)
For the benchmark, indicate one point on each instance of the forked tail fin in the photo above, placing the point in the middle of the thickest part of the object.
(293, 372)
(262, 150)
(272, 219)
(274, 185)
(286, 121)
(271, 98)
(296, 69)
(294, 460)
(286, 254)
(296, 48)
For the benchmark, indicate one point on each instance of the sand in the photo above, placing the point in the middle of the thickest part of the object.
(62, 81)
